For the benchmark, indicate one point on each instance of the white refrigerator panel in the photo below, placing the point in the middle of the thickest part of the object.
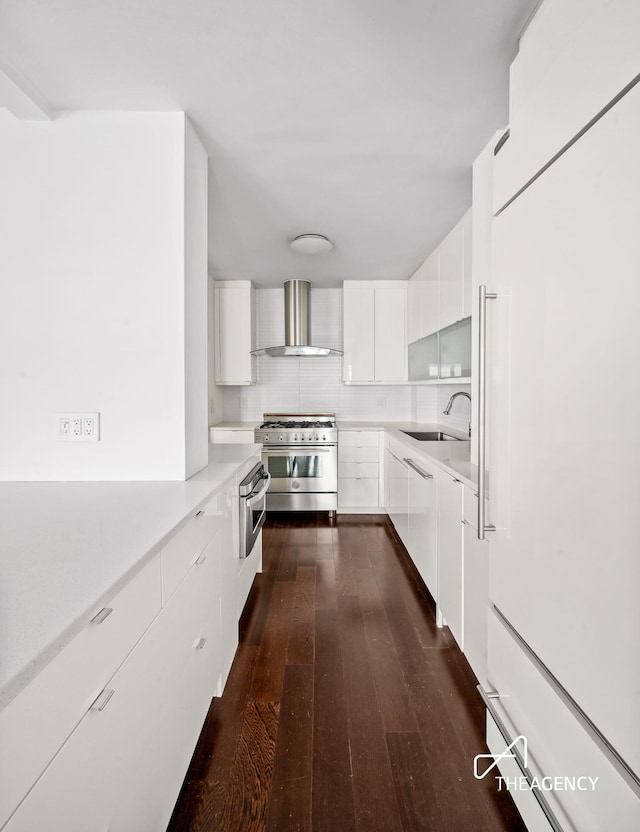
(564, 406)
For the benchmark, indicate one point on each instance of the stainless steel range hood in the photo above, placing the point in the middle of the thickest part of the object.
(297, 324)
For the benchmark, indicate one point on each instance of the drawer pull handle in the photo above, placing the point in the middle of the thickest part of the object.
(417, 469)
(200, 559)
(99, 617)
(200, 643)
(101, 700)
(198, 513)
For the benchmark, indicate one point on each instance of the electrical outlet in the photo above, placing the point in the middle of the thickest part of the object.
(381, 402)
(78, 427)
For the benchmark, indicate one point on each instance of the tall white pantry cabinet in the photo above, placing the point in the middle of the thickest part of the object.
(563, 336)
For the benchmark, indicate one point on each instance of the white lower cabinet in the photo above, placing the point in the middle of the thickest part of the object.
(122, 767)
(423, 521)
(475, 588)
(586, 788)
(397, 494)
(358, 469)
(102, 739)
(450, 555)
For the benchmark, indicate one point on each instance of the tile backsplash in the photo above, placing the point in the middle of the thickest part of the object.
(314, 385)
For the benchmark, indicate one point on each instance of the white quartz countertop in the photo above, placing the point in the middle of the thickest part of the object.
(69, 547)
(454, 457)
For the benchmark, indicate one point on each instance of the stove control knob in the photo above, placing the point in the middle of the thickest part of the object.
(317, 437)
(266, 437)
(324, 438)
(281, 438)
(295, 437)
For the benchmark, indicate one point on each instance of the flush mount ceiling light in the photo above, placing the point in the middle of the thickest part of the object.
(311, 244)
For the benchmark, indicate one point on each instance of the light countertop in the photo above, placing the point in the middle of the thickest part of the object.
(67, 547)
(454, 457)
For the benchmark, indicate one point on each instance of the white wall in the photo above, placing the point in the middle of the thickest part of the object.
(92, 308)
(314, 385)
(196, 295)
(216, 393)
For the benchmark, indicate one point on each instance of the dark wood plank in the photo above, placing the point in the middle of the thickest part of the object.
(289, 807)
(332, 793)
(395, 703)
(272, 656)
(237, 802)
(373, 793)
(300, 648)
(420, 808)
(326, 591)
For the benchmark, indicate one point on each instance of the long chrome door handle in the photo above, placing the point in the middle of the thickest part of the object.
(484, 296)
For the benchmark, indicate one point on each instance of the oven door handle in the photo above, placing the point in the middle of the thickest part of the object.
(256, 496)
(298, 450)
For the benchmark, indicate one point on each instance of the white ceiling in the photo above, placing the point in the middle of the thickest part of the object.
(356, 119)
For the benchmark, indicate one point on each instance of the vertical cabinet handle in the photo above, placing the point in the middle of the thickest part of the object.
(200, 643)
(200, 559)
(484, 296)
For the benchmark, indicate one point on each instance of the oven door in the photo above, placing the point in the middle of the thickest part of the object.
(303, 469)
(252, 515)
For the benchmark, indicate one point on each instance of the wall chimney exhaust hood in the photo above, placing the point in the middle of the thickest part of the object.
(297, 324)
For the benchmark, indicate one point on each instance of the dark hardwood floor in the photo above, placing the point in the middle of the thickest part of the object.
(346, 710)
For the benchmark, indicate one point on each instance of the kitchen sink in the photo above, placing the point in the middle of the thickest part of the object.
(431, 436)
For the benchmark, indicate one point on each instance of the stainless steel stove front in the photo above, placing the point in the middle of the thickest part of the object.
(300, 452)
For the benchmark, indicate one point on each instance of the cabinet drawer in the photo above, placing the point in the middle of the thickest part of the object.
(184, 548)
(358, 453)
(357, 493)
(358, 470)
(559, 745)
(127, 761)
(358, 438)
(38, 721)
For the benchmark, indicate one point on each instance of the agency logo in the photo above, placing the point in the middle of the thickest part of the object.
(508, 753)
(557, 783)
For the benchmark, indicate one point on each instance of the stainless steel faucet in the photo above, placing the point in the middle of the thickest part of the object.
(447, 409)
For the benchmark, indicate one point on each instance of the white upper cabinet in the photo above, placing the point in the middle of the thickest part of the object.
(574, 58)
(358, 313)
(235, 332)
(439, 292)
(374, 331)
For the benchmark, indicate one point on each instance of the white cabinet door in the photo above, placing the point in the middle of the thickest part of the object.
(565, 411)
(476, 589)
(358, 314)
(398, 500)
(451, 252)
(391, 334)
(235, 332)
(574, 58)
(414, 308)
(423, 522)
(430, 296)
(450, 554)
(121, 760)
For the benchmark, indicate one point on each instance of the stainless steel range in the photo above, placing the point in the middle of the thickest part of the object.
(300, 452)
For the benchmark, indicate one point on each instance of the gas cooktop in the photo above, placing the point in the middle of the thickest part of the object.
(297, 428)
